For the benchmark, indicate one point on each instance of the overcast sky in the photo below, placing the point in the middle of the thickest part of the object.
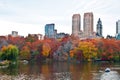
(30, 16)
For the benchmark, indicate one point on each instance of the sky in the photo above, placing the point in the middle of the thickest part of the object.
(31, 16)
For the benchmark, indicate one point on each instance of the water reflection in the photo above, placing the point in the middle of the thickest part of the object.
(12, 69)
(59, 70)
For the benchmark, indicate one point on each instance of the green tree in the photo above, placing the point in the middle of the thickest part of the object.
(9, 52)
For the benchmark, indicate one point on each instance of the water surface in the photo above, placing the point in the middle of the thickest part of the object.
(58, 71)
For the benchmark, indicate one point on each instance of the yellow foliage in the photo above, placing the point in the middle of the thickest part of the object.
(46, 49)
(88, 48)
(9, 52)
(72, 53)
(10, 46)
(4, 48)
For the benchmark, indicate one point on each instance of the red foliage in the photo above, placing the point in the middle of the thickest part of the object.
(18, 41)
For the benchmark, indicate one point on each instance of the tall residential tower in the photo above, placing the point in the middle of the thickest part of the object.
(76, 24)
(118, 30)
(88, 24)
(49, 30)
(118, 27)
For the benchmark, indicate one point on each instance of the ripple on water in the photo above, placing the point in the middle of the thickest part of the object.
(96, 75)
(112, 75)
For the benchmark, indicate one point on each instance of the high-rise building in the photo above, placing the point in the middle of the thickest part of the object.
(76, 24)
(118, 27)
(99, 28)
(88, 24)
(14, 33)
(49, 30)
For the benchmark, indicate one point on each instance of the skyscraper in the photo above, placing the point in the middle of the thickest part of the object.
(76, 24)
(88, 24)
(49, 30)
(99, 28)
(118, 27)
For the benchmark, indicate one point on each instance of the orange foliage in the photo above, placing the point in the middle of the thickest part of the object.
(72, 53)
(4, 48)
(110, 47)
(46, 49)
(25, 53)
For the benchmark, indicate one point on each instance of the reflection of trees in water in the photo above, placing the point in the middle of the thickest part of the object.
(60, 67)
(57, 70)
(12, 69)
(30, 68)
(82, 71)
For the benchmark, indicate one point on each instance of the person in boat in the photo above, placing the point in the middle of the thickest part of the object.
(110, 75)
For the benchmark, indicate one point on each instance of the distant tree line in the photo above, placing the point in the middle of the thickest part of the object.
(68, 48)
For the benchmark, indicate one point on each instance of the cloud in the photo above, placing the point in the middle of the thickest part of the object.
(23, 29)
(37, 13)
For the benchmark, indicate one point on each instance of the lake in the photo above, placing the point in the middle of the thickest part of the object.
(57, 71)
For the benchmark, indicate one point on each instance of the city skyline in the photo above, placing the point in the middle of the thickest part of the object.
(28, 16)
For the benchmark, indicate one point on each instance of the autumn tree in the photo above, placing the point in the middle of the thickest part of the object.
(110, 49)
(89, 50)
(54, 45)
(46, 49)
(9, 52)
(72, 53)
(117, 54)
(18, 41)
(99, 45)
(31, 38)
(25, 53)
(35, 49)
